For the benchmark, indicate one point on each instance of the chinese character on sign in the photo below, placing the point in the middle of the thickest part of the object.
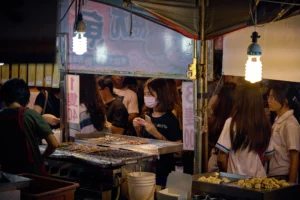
(94, 26)
(139, 28)
(72, 98)
(120, 28)
(189, 117)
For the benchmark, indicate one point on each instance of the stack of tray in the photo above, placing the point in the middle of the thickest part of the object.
(232, 190)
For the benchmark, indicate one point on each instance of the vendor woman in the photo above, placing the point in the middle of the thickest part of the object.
(159, 123)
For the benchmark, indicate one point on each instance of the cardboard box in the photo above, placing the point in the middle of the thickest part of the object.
(179, 187)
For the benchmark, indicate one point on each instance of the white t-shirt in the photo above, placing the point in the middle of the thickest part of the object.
(129, 99)
(286, 136)
(242, 162)
(85, 125)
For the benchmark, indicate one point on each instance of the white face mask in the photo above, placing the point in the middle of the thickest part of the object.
(150, 102)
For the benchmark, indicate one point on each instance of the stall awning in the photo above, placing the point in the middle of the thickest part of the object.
(221, 16)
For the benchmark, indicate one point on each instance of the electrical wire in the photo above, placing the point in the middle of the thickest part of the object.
(292, 4)
(79, 7)
(254, 21)
(66, 12)
(282, 13)
(218, 84)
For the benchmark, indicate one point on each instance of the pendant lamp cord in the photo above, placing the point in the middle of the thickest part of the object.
(130, 33)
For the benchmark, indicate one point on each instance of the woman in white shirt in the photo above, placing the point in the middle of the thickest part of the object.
(282, 99)
(221, 112)
(92, 109)
(244, 143)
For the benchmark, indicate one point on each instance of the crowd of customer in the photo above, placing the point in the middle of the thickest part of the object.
(245, 140)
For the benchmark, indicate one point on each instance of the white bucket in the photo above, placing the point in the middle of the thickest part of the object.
(141, 185)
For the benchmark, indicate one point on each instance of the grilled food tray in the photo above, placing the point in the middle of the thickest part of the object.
(107, 157)
(143, 145)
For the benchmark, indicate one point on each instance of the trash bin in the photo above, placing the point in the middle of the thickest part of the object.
(45, 188)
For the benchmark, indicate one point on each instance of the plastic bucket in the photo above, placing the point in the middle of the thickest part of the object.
(141, 185)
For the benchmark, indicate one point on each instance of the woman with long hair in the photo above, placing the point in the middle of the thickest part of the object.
(177, 111)
(221, 113)
(159, 123)
(92, 108)
(244, 143)
(283, 99)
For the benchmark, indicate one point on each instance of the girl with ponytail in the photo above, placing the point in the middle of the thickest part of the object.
(283, 99)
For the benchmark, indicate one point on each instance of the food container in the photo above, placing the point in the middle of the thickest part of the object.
(232, 190)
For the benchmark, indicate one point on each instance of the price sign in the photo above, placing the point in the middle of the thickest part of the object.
(73, 98)
(188, 115)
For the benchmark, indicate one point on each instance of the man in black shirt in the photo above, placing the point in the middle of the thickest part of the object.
(116, 112)
(50, 111)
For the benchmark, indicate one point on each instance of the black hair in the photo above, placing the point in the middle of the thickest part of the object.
(92, 100)
(15, 90)
(105, 81)
(250, 126)
(130, 81)
(55, 90)
(286, 91)
(224, 106)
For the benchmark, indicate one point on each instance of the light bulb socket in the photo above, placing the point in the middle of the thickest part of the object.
(80, 26)
(254, 48)
(79, 17)
(255, 36)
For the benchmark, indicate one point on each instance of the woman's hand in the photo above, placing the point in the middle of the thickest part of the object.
(137, 122)
(51, 119)
(151, 129)
(107, 124)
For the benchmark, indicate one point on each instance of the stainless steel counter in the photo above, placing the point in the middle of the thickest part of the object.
(110, 158)
(153, 147)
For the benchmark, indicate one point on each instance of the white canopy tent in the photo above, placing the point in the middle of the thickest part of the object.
(280, 43)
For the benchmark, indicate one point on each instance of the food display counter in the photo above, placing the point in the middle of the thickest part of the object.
(235, 188)
(98, 161)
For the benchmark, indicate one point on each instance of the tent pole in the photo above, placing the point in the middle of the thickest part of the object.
(204, 110)
(199, 118)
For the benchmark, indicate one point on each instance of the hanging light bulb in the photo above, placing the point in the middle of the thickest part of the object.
(79, 41)
(253, 72)
(79, 44)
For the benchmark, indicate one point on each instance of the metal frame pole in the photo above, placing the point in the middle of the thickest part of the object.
(62, 63)
(205, 97)
(199, 118)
